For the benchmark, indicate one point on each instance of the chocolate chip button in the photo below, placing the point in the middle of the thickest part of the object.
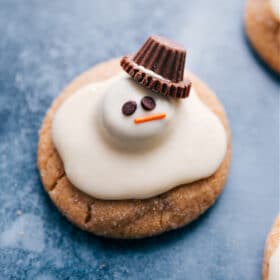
(129, 108)
(148, 103)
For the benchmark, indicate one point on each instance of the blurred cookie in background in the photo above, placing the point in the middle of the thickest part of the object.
(271, 262)
(262, 24)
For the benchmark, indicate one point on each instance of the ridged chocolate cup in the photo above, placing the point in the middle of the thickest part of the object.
(159, 66)
(163, 57)
(161, 86)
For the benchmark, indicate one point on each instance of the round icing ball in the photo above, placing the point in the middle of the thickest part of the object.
(142, 124)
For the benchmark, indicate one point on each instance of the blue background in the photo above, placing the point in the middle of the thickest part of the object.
(43, 46)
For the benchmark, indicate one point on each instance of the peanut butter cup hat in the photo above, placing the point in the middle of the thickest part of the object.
(159, 65)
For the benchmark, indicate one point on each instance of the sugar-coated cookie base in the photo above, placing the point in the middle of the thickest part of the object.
(263, 30)
(128, 218)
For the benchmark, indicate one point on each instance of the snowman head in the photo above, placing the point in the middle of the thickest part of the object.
(131, 112)
(142, 105)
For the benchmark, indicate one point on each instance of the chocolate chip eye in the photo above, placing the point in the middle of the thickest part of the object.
(129, 108)
(148, 103)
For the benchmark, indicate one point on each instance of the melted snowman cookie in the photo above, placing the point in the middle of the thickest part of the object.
(262, 24)
(135, 155)
(126, 218)
(271, 262)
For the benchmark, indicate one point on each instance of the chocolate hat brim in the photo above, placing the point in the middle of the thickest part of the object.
(153, 82)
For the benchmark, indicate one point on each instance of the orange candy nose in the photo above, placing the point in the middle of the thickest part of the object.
(149, 118)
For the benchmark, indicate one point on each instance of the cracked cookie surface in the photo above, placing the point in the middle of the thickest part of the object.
(127, 218)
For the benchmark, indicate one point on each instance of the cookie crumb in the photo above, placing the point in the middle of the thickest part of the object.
(18, 212)
(102, 266)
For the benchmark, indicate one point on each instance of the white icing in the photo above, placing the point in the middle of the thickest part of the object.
(193, 146)
(275, 5)
(148, 71)
(274, 263)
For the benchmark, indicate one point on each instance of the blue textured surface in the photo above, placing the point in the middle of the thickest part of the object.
(43, 46)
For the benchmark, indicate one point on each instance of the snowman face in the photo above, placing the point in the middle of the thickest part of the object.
(132, 112)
